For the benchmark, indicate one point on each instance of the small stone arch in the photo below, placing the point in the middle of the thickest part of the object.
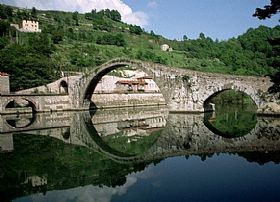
(247, 90)
(63, 87)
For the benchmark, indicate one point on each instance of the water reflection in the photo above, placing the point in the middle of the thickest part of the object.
(231, 120)
(130, 131)
(20, 120)
(62, 156)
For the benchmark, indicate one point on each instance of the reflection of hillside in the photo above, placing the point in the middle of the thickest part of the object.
(49, 164)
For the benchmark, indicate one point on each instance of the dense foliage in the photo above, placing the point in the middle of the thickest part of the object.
(268, 10)
(262, 14)
(28, 65)
(112, 14)
(79, 42)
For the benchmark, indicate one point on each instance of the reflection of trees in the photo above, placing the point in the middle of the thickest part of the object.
(234, 114)
(134, 145)
(203, 156)
(261, 157)
(231, 121)
(65, 166)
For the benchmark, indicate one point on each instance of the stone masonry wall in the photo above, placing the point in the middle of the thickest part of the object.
(127, 100)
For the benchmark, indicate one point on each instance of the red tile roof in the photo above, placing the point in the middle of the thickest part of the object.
(132, 82)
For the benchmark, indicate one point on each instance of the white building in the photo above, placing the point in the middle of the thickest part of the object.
(30, 26)
(164, 47)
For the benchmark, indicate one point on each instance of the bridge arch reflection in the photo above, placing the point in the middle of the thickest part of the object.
(234, 113)
(180, 134)
(126, 134)
(230, 129)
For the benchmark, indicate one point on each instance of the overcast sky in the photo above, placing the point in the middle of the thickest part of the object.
(221, 19)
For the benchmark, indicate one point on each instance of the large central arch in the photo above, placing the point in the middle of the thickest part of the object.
(93, 77)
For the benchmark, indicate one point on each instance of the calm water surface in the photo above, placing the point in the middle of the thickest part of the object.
(140, 154)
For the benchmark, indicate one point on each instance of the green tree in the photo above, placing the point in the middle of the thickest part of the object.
(134, 29)
(5, 12)
(26, 67)
(75, 17)
(115, 15)
(4, 27)
(262, 14)
(57, 36)
(268, 10)
(34, 12)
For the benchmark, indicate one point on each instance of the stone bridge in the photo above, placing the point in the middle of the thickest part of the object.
(180, 134)
(183, 90)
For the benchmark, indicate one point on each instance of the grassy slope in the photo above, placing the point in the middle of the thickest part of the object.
(91, 54)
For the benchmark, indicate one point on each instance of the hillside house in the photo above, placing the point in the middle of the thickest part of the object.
(30, 26)
(165, 47)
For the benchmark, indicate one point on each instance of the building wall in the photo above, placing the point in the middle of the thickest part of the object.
(151, 86)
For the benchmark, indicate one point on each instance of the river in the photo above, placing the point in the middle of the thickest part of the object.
(140, 154)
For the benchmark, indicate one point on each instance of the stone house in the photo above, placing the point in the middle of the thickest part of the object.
(165, 47)
(27, 26)
(30, 26)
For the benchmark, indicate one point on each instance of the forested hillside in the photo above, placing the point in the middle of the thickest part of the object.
(79, 42)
